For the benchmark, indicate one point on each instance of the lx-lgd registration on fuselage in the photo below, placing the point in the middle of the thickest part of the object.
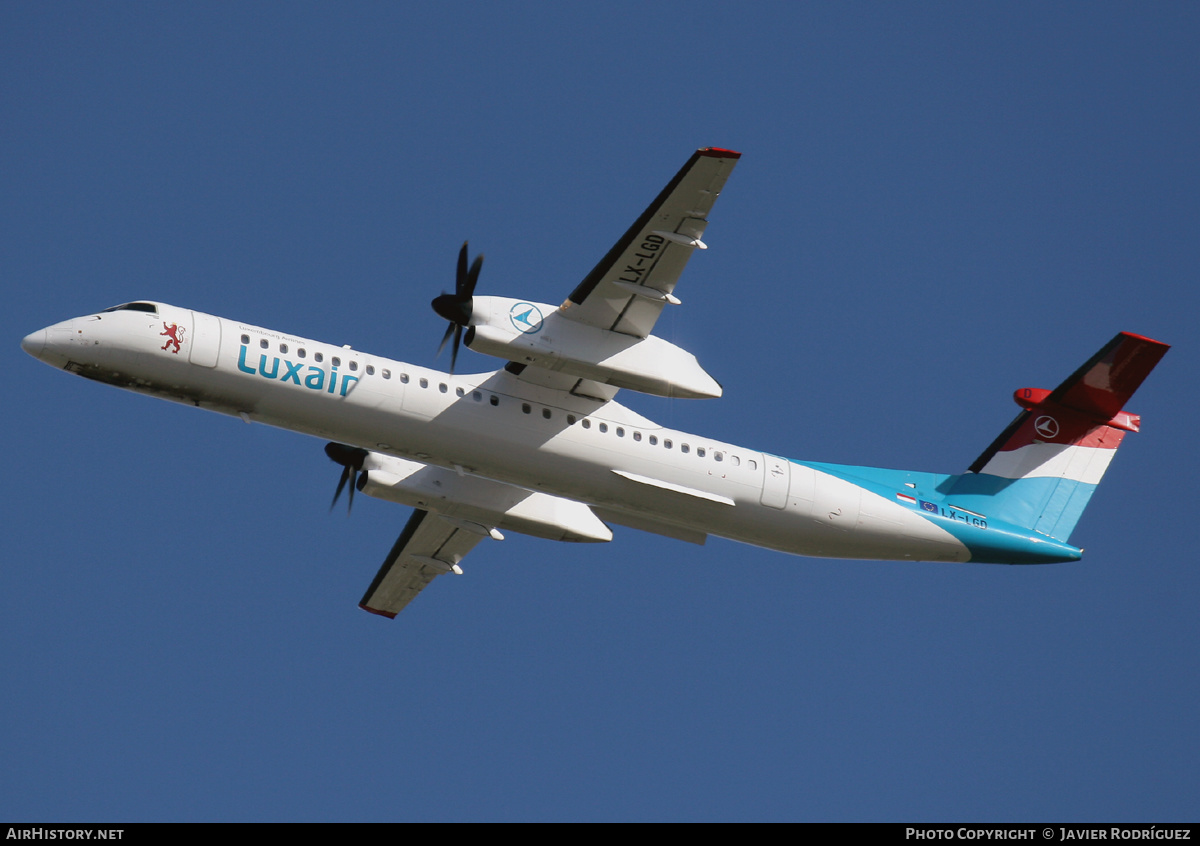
(542, 447)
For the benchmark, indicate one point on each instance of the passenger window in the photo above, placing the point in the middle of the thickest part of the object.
(370, 369)
(752, 464)
(459, 392)
(620, 432)
(245, 339)
(477, 396)
(717, 456)
(667, 443)
(319, 356)
(494, 400)
(603, 427)
(734, 460)
(353, 364)
(264, 343)
(587, 424)
(335, 361)
(525, 409)
(637, 436)
(387, 374)
(700, 451)
(283, 348)
(424, 382)
(546, 413)
(570, 419)
(442, 387)
(300, 352)
(403, 377)
(654, 440)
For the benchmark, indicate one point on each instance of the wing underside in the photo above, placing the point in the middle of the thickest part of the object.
(627, 290)
(428, 547)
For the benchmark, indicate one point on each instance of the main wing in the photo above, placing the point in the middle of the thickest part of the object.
(625, 293)
(428, 547)
(627, 290)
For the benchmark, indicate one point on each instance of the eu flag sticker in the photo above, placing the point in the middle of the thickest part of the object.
(929, 506)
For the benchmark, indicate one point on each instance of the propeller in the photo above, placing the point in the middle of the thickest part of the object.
(351, 459)
(456, 307)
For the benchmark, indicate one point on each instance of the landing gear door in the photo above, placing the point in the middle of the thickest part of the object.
(776, 478)
(206, 339)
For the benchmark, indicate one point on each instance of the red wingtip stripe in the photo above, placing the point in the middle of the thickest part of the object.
(719, 153)
(1137, 337)
(391, 615)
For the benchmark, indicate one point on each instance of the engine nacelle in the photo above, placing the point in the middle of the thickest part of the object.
(482, 502)
(537, 334)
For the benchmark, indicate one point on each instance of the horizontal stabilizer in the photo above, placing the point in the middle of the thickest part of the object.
(1096, 393)
(1103, 385)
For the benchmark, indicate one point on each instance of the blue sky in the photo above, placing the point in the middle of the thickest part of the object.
(937, 204)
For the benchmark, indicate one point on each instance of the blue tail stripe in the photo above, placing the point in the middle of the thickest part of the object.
(1076, 500)
(1011, 507)
(1046, 504)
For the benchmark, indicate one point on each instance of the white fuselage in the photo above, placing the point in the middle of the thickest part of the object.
(495, 425)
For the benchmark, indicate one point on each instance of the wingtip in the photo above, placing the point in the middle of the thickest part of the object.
(391, 615)
(719, 153)
(1138, 337)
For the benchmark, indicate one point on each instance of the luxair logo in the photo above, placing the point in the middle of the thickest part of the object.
(305, 375)
(1046, 426)
(525, 317)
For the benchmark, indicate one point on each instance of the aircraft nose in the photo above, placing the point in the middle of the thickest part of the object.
(34, 343)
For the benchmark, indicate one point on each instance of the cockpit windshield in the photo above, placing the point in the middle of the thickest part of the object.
(147, 307)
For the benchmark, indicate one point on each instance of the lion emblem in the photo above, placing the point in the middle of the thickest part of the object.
(174, 335)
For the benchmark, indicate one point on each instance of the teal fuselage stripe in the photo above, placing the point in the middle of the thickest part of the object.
(1013, 511)
(1048, 505)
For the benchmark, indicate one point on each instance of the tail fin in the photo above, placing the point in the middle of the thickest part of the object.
(1042, 470)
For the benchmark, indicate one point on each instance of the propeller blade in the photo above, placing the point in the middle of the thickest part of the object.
(454, 349)
(449, 331)
(341, 484)
(460, 278)
(456, 308)
(351, 459)
(473, 277)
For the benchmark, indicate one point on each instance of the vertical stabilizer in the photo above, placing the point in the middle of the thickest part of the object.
(1042, 470)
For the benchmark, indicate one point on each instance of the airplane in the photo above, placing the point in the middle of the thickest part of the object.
(541, 446)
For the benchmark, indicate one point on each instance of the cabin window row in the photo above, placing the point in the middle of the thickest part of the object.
(653, 440)
(586, 423)
(302, 352)
(526, 408)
